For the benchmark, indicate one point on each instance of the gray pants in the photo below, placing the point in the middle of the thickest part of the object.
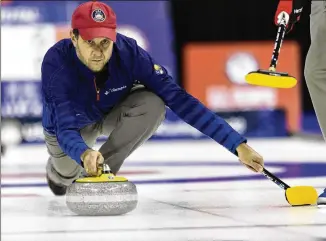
(127, 126)
(315, 66)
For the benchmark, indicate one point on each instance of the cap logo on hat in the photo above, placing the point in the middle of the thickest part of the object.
(98, 15)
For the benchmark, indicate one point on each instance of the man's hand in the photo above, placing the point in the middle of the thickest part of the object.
(250, 158)
(291, 10)
(91, 160)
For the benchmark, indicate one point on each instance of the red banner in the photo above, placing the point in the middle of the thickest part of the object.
(215, 74)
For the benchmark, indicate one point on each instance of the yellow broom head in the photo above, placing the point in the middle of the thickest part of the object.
(270, 78)
(301, 195)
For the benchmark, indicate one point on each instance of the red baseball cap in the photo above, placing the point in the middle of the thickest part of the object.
(94, 20)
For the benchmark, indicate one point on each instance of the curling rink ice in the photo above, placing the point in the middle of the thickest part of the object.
(188, 191)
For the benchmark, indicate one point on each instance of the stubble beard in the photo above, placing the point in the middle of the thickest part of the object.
(86, 62)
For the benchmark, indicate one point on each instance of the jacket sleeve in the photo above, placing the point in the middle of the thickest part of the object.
(291, 7)
(298, 5)
(56, 87)
(187, 107)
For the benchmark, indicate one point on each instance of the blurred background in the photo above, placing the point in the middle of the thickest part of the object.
(190, 188)
(207, 46)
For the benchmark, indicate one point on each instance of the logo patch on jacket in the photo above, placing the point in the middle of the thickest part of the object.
(112, 90)
(158, 69)
(98, 15)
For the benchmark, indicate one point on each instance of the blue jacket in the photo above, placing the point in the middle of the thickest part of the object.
(71, 101)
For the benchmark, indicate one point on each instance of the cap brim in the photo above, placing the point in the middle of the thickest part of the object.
(91, 33)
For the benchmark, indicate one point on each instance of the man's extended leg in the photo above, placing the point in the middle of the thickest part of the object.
(129, 125)
(315, 67)
(61, 170)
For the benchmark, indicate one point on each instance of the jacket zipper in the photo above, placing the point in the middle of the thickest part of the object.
(97, 90)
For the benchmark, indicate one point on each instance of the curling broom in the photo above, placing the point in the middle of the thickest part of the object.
(297, 195)
(271, 78)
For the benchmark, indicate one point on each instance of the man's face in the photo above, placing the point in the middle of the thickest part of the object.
(93, 53)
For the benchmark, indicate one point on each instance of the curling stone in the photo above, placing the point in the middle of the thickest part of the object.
(106, 195)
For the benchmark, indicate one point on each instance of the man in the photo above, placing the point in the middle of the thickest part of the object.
(101, 83)
(315, 71)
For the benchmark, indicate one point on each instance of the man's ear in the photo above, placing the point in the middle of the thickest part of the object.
(73, 38)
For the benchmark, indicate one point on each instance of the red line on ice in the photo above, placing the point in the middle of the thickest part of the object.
(19, 195)
(41, 175)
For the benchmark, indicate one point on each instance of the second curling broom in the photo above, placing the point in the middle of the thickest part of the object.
(270, 77)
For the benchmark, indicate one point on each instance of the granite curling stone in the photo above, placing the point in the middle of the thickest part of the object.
(106, 195)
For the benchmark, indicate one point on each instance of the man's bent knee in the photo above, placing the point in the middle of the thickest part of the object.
(155, 108)
(63, 170)
(66, 167)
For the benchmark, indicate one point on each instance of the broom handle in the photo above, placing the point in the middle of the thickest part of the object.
(278, 44)
(274, 179)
